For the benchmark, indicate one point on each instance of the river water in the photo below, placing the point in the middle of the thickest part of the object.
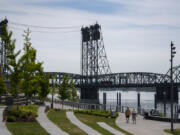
(129, 98)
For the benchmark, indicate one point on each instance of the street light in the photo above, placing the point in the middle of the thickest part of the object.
(172, 94)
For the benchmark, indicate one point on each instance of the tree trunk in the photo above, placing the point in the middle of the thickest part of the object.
(52, 101)
(62, 103)
(17, 103)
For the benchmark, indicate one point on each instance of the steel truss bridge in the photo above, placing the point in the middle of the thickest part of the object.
(130, 79)
(161, 82)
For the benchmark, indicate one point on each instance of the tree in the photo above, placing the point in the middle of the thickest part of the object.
(2, 86)
(43, 85)
(64, 89)
(74, 91)
(12, 64)
(32, 71)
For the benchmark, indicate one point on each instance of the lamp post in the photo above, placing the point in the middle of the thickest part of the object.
(52, 100)
(172, 93)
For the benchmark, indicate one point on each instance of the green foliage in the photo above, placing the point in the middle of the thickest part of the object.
(175, 132)
(106, 114)
(74, 91)
(11, 118)
(54, 85)
(43, 82)
(2, 86)
(64, 88)
(24, 113)
(12, 65)
(26, 75)
(162, 115)
(34, 80)
(67, 89)
(53, 89)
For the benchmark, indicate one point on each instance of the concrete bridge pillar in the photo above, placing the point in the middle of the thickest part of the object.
(164, 100)
(138, 102)
(90, 95)
(155, 101)
(104, 101)
(117, 106)
(120, 100)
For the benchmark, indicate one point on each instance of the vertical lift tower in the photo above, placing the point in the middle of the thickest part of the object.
(94, 63)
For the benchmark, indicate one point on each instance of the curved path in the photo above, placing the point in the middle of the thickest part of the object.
(82, 126)
(144, 127)
(50, 127)
(3, 128)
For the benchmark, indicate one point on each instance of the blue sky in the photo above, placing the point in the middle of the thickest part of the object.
(137, 33)
(94, 6)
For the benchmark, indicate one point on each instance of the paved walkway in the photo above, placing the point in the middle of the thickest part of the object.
(144, 127)
(49, 126)
(109, 128)
(3, 128)
(82, 126)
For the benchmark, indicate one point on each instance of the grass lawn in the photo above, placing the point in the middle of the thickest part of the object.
(92, 122)
(175, 132)
(25, 128)
(60, 119)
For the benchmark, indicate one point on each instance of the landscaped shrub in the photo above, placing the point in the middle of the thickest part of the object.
(11, 118)
(24, 113)
(106, 114)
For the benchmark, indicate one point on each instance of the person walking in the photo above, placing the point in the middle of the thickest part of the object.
(127, 114)
(134, 114)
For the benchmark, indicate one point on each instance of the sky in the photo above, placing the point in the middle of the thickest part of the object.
(136, 33)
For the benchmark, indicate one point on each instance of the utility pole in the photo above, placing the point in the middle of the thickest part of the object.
(172, 92)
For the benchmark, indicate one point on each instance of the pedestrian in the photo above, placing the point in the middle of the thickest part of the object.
(134, 114)
(127, 114)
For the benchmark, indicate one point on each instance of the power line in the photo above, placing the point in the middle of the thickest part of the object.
(44, 31)
(42, 27)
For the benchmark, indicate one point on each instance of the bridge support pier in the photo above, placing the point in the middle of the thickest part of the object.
(90, 95)
(117, 105)
(160, 90)
(119, 101)
(138, 103)
(155, 101)
(164, 100)
(104, 101)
